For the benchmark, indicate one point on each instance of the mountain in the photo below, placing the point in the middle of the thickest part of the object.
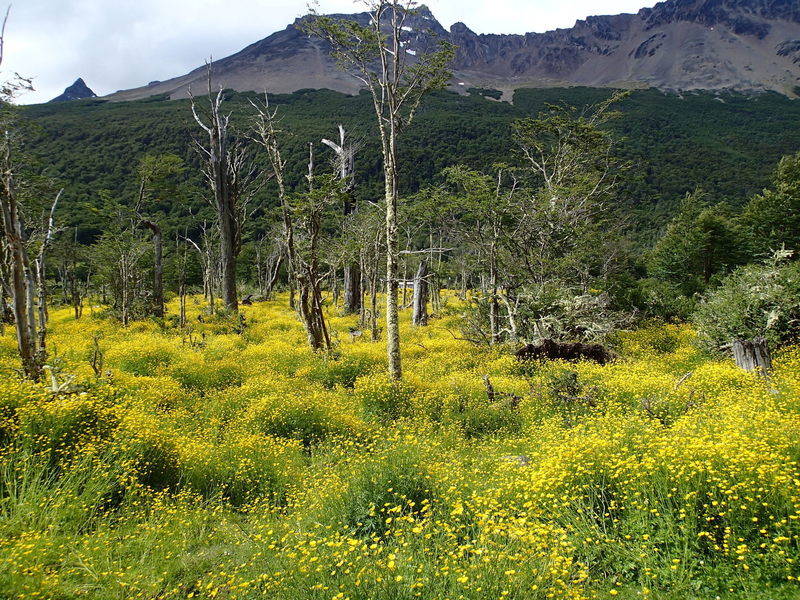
(743, 45)
(77, 91)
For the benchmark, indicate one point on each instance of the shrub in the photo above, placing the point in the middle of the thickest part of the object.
(243, 469)
(62, 424)
(142, 355)
(202, 376)
(490, 419)
(309, 418)
(343, 371)
(383, 399)
(756, 300)
(387, 488)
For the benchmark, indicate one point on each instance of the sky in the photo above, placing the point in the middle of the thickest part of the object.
(122, 44)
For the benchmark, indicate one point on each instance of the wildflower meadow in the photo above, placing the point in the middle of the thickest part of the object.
(228, 460)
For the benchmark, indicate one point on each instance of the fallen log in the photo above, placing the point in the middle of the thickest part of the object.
(570, 351)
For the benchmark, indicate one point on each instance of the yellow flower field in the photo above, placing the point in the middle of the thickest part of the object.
(230, 461)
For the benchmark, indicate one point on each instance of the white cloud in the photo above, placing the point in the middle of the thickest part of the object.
(116, 44)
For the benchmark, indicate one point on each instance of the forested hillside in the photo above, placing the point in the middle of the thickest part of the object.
(726, 144)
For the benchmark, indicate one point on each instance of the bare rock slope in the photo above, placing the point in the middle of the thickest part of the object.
(744, 45)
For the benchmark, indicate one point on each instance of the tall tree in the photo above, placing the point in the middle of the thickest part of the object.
(566, 229)
(232, 182)
(397, 78)
(302, 227)
(30, 339)
(155, 173)
(344, 166)
(773, 217)
(699, 242)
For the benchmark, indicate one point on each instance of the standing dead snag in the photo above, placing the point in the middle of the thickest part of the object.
(397, 77)
(24, 285)
(21, 281)
(232, 183)
(302, 225)
(345, 164)
(752, 355)
(420, 314)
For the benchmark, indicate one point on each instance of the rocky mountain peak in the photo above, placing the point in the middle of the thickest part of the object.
(76, 91)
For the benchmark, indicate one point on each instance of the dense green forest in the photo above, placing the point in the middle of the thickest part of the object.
(726, 144)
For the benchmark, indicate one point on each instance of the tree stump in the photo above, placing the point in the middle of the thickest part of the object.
(752, 355)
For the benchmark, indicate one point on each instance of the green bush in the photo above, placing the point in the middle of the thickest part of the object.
(756, 300)
(489, 419)
(242, 470)
(344, 371)
(309, 424)
(142, 362)
(383, 399)
(389, 487)
(202, 376)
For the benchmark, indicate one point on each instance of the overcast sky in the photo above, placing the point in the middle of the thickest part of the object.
(121, 44)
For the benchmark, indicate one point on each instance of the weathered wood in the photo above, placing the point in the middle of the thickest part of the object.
(420, 315)
(752, 355)
(552, 350)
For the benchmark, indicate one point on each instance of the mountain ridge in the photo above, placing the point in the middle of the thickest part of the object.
(741, 45)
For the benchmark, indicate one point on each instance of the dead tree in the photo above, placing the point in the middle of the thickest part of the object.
(345, 164)
(752, 355)
(209, 262)
(41, 284)
(22, 284)
(232, 183)
(154, 172)
(420, 315)
(300, 240)
(21, 280)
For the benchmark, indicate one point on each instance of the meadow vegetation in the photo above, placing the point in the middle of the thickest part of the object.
(228, 460)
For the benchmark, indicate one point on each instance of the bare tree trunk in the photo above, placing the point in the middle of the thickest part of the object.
(494, 323)
(22, 283)
(392, 254)
(353, 292)
(420, 316)
(274, 278)
(158, 269)
(753, 355)
(225, 173)
(373, 307)
(41, 275)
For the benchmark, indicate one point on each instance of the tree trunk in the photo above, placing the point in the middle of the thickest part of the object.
(228, 258)
(274, 278)
(420, 316)
(753, 355)
(392, 253)
(494, 321)
(158, 269)
(21, 279)
(353, 293)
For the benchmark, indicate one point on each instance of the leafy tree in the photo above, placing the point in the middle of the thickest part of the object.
(772, 218)
(568, 230)
(700, 242)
